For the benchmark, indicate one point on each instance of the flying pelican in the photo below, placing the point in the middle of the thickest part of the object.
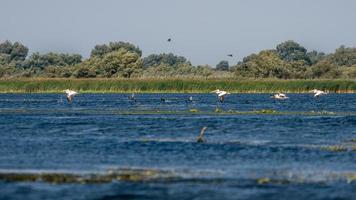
(318, 93)
(221, 94)
(280, 96)
(70, 94)
(201, 135)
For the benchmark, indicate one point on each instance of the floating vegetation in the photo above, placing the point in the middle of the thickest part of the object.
(335, 148)
(266, 111)
(134, 175)
(217, 111)
(263, 180)
(350, 177)
(193, 110)
(353, 140)
(155, 175)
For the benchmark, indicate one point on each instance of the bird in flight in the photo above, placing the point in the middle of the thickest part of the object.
(70, 94)
(318, 93)
(169, 40)
(230, 55)
(221, 94)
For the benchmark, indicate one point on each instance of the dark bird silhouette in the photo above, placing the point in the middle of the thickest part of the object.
(230, 55)
(132, 97)
(169, 40)
(201, 135)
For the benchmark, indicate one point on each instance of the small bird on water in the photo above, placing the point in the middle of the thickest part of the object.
(70, 94)
(221, 94)
(132, 97)
(200, 138)
(279, 96)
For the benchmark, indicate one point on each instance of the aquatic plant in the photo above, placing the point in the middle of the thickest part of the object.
(265, 111)
(194, 110)
(113, 174)
(335, 148)
(171, 85)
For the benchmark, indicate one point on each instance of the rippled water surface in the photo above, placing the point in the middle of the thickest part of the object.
(256, 147)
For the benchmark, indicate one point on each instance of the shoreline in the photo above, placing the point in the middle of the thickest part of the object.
(174, 85)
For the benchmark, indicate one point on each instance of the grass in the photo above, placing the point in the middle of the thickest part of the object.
(172, 85)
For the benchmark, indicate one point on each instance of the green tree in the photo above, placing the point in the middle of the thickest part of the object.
(343, 56)
(292, 51)
(266, 64)
(324, 69)
(9, 52)
(222, 66)
(120, 63)
(100, 50)
(170, 59)
(315, 57)
(52, 59)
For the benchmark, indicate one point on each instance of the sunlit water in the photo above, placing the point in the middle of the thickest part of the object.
(97, 132)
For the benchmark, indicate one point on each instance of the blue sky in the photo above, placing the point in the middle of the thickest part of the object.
(203, 31)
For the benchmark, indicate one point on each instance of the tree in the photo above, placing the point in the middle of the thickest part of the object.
(343, 56)
(204, 70)
(222, 66)
(170, 59)
(315, 56)
(9, 52)
(6, 47)
(101, 50)
(18, 52)
(292, 51)
(120, 63)
(324, 69)
(52, 59)
(266, 64)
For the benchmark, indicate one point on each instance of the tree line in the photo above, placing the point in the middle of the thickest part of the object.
(289, 60)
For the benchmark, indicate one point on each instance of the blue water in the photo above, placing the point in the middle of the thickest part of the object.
(98, 132)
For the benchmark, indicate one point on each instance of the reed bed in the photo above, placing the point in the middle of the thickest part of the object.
(173, 85)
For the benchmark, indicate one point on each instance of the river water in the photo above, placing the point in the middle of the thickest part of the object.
(256, 147)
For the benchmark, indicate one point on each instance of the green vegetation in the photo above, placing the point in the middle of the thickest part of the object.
(153, 175)
(40, 85)
(134, 175)
(289, 60)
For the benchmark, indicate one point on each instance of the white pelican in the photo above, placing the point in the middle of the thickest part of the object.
(280, 96)
(221, 94)
(70, 94)
(318, 93)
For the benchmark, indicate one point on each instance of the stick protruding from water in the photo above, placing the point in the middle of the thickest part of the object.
(201, 135)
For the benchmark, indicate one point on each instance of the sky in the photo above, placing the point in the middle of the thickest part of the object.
(203, 31)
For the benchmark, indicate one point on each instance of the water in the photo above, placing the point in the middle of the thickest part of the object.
(247, 155)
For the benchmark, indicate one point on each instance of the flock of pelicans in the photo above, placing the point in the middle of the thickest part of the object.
(220, 94)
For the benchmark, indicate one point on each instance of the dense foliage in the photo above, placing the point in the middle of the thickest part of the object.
(289, 60)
